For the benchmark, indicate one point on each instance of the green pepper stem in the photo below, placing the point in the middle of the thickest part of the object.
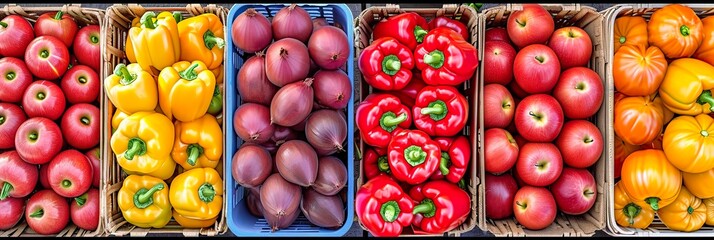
(435, 59)
(37, 213)
(122, 71)
(391, 121)
(206, 192)
(383, 164)
(194, 151)
(684, 30)
(653, 202)
(703, 132)
(6, 189)
(426, 208)
(631, 211)
(690, 210)
(3, 24)
(148, 20)
(190, 72)
(706, 97)
(81, 200)
(445, 163)
(147, 196)
(58, 15)
(211, 40)
(390, 211)
(393, 64)
(622, 39)
(136, 147)
(414, 155)
(436, 109)
(462, 184)
(177, 16)
(419, 34)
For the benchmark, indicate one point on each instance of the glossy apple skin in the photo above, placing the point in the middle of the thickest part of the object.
(580, 92)
(12, 212)
(38, 140)
(580, 142)
(532, 25)
(501, 151)
(575, 191)
(539, 164)
(20, 175)
(534, 207)
(55, 212)
(44, 99)
(498, 105)
(536, 69)
(47, 57)
(572, 45)
(500, 191)
(539, 118)
(86, 46)
(497, 34)
(498, 62)
(64, 28)
(70, 173)
(19, 32)
(80, 126)
(11, 117)
(517, 91)
(14, 79)
(86, 216)
(44, 181)
(93, 155)
(81, 84)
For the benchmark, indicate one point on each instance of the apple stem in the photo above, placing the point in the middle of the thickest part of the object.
(190, 73)
(414, 155)
(41, 96)
(631, 211)
(144, 197)
(6, 189)
(653, 202)
(3, 24)
(2, 120)
(426, 208)
(148, 21)
(81, 200)
(211, 40)
(44, 53)
(136, 147)
(540, 59)
(588, 140)
(389, 211)
(435, 59)
(94, 39)
(206, 193)
(391, 64)
(10, 76)
(534, 115)
(436, 110)
(522, 205)
(390, 120)
(33, 136)
(177, 16)
(58, 15)
(419, 34)
(194, 151)
(522, 24)
(66, 183)
(706, 97)
(445, 163)
(85, 120)
(37, 214)
(122, 71)
(82, 79)
(383, 164)
(588, 192)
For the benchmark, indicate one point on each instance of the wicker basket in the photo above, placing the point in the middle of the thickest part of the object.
(118, 21)
(83, 17)
(657, 228)
(586, 224)
(363, 37)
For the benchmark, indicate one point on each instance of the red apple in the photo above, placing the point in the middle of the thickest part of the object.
(70, 173)
(520, 140)
(536, 69)
(93, 156)
(532, 25)
(534, 207)
(500, 191)
(580, 142)
(512, 125)
(16, 30)
(17, 178)
(38, 140)
(80, 84)
(11, 117)
(84, 210)
(498, 106)
(497, 34)
(575, 191)
(86, 46)
(14, 79)
(47, 212)
(47, 57)
(580, 92)
(539, 164)
(516, 90)
(572, 45)
(539, 118)
(11, 213)
(498, 62)
(501, 151)
(44, 181)
(44, 99)
(80, 126)
(57, 24)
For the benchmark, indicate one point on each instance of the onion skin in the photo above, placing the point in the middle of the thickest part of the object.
(332, 88)
(331, 176)
(253, 84)
(283, 134)
(297, 162)
(300, 127)
(251, 31)
(292, 22)
(251, 122)
(326, 131)
(329, 48)
(292, 103)
(279, 199)
(319, 22)
(286, 61)
(253, 201)
(283, 222)
(252, 164)
(321, 210)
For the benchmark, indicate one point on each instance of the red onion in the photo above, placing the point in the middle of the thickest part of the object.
(253, 201)
(297, 162)
(292, 103)
(283, 134)
(300, 127)
(271, 147)
(332, 88)
(252, 123)
(279, 199)
(283, 222)
(331, 176)
(286, 61)
(326, 130)
(329, 47)
(313, 68)
(252, 31)
(292, 22)
(318, 23)
(251, 165)
(323, 211)
(253, 84)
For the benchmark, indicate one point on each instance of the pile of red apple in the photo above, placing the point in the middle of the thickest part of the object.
(49, 123)
(538, 95)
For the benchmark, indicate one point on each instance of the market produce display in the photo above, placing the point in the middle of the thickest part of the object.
(166, 131)
(416, 156)
(291, 118)
(539, 99)
(664, 160)
(49, 123)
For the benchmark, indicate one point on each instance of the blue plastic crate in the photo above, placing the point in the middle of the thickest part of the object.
(240, 221)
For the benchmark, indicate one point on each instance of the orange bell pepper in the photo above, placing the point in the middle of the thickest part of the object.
(650, 180)
(676, 29)
(638, 120)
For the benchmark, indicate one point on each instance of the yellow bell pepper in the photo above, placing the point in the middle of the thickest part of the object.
(185, 90)
(199, 143)
(193, 223)
(688, 143)
(197, 193)
(218, 72)
(143, 143)
(129, 46)
(144, 201)
(131, 89)
(629, 214)
(201, 39)
(686, 88)
(687, 213)
(117, 118)
(709, 203)
(156, 42)
(698, 183)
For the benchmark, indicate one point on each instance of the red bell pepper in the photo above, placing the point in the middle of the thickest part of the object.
(386, 64)
(409, 93)
(455, 158)
(445, 58)
(383, 208)
(453, 24)
(440, 111)
(378, 116)
(375, 162)
(413, 156)
(408, 28)
(441, 206)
